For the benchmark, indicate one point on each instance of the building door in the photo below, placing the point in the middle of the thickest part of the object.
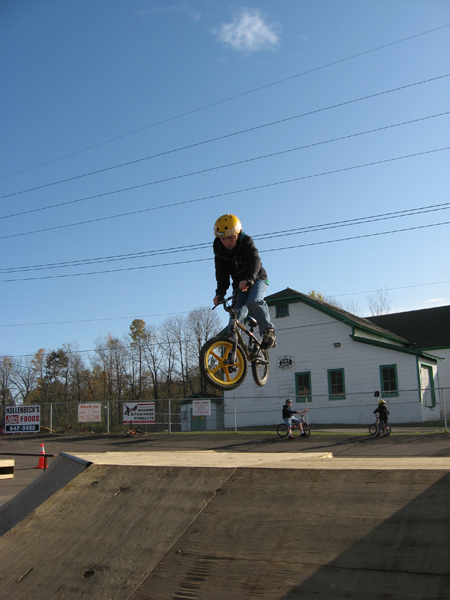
(427, 386)
(198, 423)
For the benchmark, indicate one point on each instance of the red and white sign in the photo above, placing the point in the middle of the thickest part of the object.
(138, 412)
(90, 413)
(201, 408)
(22, 419)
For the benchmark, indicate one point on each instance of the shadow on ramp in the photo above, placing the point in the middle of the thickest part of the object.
(327, 535)
(62, 470)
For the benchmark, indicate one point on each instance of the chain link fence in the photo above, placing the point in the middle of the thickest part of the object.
(411, 411)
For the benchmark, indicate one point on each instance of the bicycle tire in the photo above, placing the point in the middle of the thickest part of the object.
(386, 430)
(282, 430)
(261, 367)
(373, 429)
(306, 430)
(216, 371)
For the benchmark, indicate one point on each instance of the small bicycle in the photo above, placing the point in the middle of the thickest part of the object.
(224, 360)
(282, 428)
(385, 428)
(134, 431)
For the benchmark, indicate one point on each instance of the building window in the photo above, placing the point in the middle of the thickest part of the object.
(282, 310)
(303, 387)
(336, 384)
(388, 380)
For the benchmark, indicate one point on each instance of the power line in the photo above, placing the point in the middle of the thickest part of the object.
(250, 129)
(99, 320)
(268, 235)
(218, 102)
(257, 187)
(304, 147)
(142, 267)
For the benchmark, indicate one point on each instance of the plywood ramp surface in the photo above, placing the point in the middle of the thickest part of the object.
(264, 460)
(120, 532)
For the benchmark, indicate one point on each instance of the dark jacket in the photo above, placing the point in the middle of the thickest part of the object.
(383, 411)
(288, 412)
(241, 264)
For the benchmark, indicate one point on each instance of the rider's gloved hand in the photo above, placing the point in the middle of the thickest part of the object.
(218, 300)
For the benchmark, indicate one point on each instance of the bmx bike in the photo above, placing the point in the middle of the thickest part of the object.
(224, 360)
(133, 431)
(282, 429)
(385, 428)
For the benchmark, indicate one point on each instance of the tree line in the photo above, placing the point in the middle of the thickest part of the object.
(148, 363)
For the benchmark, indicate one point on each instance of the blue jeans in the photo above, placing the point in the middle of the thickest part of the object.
(253, 303)
(380, 423)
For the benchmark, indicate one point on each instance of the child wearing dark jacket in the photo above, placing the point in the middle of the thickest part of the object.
(383, 413)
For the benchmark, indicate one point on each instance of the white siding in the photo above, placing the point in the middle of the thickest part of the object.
(308, 336)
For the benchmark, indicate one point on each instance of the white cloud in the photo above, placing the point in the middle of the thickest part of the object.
(434, 300)
(248, 32)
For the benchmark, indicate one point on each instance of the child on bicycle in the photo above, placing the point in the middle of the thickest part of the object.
(236, 256)
(289, 419)
(383, 413)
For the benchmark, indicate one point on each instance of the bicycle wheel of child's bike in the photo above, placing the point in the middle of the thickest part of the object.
(216, 368)
(386, 430)
(373, 429)
(282, 430)
(260, 367)
(306, 430)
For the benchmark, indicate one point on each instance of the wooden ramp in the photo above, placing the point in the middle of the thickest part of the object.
(220, 532)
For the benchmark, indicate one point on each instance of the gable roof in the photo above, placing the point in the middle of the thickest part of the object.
(428, 328)
(289, 295)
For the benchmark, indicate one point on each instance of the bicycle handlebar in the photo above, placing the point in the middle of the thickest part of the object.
(224, 302)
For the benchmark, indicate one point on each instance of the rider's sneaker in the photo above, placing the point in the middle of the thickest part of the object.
(269, 339)
(291, 437)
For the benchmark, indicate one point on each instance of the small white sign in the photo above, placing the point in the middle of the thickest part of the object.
(90, 413)
(22, 419)
(138, 412)
(286, 362)
(201, 408)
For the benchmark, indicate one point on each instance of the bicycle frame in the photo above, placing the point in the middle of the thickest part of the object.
(237, 327)
(224, 360)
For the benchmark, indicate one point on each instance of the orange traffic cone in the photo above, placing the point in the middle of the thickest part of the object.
(41, 464)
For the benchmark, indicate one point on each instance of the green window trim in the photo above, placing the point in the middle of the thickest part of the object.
(389, 381)
(303, 380)
(336, 384)
(281, 310)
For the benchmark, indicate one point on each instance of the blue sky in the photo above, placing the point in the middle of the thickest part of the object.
(129, 127)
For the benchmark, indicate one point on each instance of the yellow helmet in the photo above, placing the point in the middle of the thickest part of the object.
(226, 226)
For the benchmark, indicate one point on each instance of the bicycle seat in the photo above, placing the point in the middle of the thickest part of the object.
(253, 322)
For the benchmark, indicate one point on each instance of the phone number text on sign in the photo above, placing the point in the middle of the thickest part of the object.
(22, 419)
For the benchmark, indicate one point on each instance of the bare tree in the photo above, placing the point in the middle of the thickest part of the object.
(6, 371)
(175, 328)
(202, 325)
(379, 302)
(153, 357)
(349, 305)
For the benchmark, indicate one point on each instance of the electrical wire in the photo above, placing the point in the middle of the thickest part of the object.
(242, 94)
(268, 235)
(185, 262)
(250, 129)
(304, 147)
(292, 180)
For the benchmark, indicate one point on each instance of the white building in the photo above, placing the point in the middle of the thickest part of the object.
(332, 362)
